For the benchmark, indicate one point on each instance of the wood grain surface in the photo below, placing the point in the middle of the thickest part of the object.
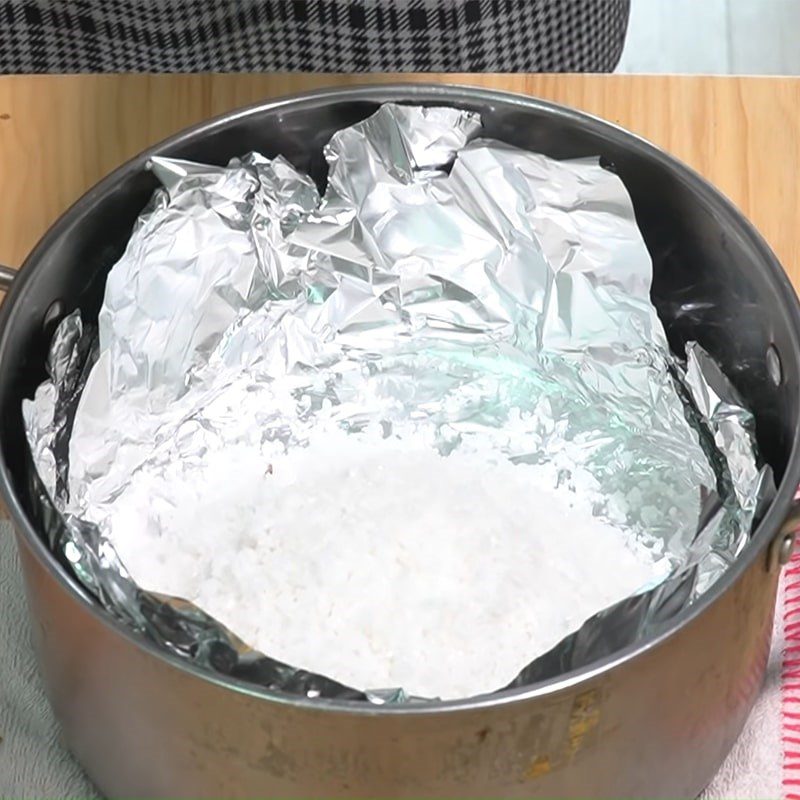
(61, 134)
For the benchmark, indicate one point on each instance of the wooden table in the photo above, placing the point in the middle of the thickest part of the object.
(60, 134)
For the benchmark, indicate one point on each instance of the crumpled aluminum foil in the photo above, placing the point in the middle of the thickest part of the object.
(446, 286)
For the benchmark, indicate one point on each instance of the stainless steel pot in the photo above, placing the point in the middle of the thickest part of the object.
(655, 720)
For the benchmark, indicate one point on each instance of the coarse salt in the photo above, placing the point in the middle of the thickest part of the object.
(379, 562)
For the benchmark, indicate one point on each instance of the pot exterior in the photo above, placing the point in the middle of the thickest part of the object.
(658, 725)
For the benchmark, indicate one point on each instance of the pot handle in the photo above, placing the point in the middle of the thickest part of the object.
(6, 277)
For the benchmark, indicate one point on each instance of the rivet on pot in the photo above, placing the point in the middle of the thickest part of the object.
(786, 549)
(51, 318)
(782, 547)
(774, 367)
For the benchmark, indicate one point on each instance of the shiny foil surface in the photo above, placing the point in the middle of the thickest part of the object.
(445, 286)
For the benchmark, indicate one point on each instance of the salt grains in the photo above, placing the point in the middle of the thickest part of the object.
(380, 563)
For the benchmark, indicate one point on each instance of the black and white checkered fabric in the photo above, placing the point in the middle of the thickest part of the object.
(311, 35)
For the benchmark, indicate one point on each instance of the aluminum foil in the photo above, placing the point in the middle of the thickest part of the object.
(445, 286)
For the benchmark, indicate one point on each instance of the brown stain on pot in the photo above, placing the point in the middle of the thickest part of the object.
(584, 720)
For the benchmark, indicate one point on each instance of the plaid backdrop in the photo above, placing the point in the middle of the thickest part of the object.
(311, 35)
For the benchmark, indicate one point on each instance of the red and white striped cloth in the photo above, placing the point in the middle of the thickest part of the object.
(790, 680)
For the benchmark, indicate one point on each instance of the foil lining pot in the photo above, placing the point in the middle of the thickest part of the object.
(445, 285)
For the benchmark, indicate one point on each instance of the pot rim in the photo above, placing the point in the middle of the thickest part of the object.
(450, 94)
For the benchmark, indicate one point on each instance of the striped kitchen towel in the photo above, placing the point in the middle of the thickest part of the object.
(791, 680)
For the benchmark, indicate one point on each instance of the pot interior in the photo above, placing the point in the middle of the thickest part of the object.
(714, 279)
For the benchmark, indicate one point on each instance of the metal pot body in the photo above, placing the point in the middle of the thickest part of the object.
(654, 721)
(656, 726)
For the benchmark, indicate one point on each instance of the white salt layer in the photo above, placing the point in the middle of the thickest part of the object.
(380, 563)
